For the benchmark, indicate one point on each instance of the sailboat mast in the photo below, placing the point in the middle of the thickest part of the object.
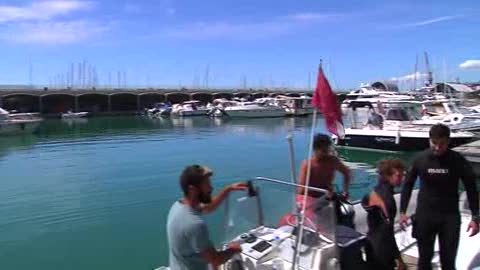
(429, 71)
(415, 74)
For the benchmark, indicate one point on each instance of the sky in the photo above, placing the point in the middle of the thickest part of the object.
(233, 43)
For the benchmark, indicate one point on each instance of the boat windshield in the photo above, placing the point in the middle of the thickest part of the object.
(274, 206)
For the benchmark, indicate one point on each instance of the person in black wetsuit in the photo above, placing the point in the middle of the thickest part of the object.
(437, 213)
(382, 251)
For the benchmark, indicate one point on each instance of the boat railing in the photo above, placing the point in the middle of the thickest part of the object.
(282, 182)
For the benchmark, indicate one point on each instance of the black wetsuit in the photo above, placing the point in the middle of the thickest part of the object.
(382, 249)
(437, 210)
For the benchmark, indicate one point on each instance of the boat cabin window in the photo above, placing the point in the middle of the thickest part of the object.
(397, 114)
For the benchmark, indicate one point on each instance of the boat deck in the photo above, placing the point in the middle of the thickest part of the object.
(471, 152)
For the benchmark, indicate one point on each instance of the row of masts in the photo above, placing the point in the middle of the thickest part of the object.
(84, 75)
(429, 81)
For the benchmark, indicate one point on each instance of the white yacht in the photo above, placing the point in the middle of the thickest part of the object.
(296, 106)
(451, 113)
(189, 108)
(18, 123)
(74, 115)
(395, 130)
(375, 96)
(159, 109)
(254, 109)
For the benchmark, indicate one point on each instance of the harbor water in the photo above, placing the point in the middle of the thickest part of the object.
(94, 193)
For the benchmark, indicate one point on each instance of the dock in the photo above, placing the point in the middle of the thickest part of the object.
(119, 101)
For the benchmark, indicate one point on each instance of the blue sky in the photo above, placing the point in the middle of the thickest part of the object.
(270, 43)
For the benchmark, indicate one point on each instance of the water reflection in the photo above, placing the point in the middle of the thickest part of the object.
(14, 143)
(363, 164)
(119, 125)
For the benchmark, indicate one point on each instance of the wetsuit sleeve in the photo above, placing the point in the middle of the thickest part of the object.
(408, 186)
(468, 179)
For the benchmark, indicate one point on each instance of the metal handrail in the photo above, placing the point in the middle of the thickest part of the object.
(266, 179)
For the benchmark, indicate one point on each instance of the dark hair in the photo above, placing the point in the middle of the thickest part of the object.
(321, 141)
(438, 131)
(386, 167)
(193, 175)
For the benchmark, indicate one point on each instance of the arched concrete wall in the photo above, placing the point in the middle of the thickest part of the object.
(228, 96)
(275, 94)
(148, 99)
(21, 102)
(93, 102)
(123, 102)
(203, 97)
(176, 98)
(293, 94)
(104, 101)
(242, 94)
(57, 103)
(260, 95)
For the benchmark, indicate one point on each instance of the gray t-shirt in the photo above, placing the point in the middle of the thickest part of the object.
(187, 236)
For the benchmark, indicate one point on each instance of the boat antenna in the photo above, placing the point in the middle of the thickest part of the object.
(446, 89)
(301, 213)
(415, 74)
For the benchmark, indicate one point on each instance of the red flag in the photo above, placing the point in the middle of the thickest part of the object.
(326, 101)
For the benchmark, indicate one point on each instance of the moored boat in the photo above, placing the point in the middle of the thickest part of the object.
(11, 124)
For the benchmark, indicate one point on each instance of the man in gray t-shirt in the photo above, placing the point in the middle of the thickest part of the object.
(190, 247)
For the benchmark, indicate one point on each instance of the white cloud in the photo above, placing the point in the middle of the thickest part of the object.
(470, 64)
(205, 30)
(311, 17)
(410, 77)
(48, 22)
(432, 21)
(53, 32)
(43, 10)
(249, 30)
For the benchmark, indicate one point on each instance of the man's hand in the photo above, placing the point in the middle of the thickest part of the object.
(234, 247)
(403, 220)
(238, 186)
(473, 226)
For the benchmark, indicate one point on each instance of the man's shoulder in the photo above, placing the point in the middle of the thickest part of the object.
(181, 211)
(183, 219)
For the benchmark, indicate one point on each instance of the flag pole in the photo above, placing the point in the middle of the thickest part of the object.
(301, 214)
(292, 164)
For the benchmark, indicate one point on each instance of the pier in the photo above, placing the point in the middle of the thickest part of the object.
(119, 101)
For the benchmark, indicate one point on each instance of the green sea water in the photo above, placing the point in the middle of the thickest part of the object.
(94, 193)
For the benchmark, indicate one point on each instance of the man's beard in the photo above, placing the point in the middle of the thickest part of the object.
(205, 198)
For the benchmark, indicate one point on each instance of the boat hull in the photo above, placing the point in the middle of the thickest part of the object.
(390, 141)
(254, 113)
(299, 111)
(191, 113)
